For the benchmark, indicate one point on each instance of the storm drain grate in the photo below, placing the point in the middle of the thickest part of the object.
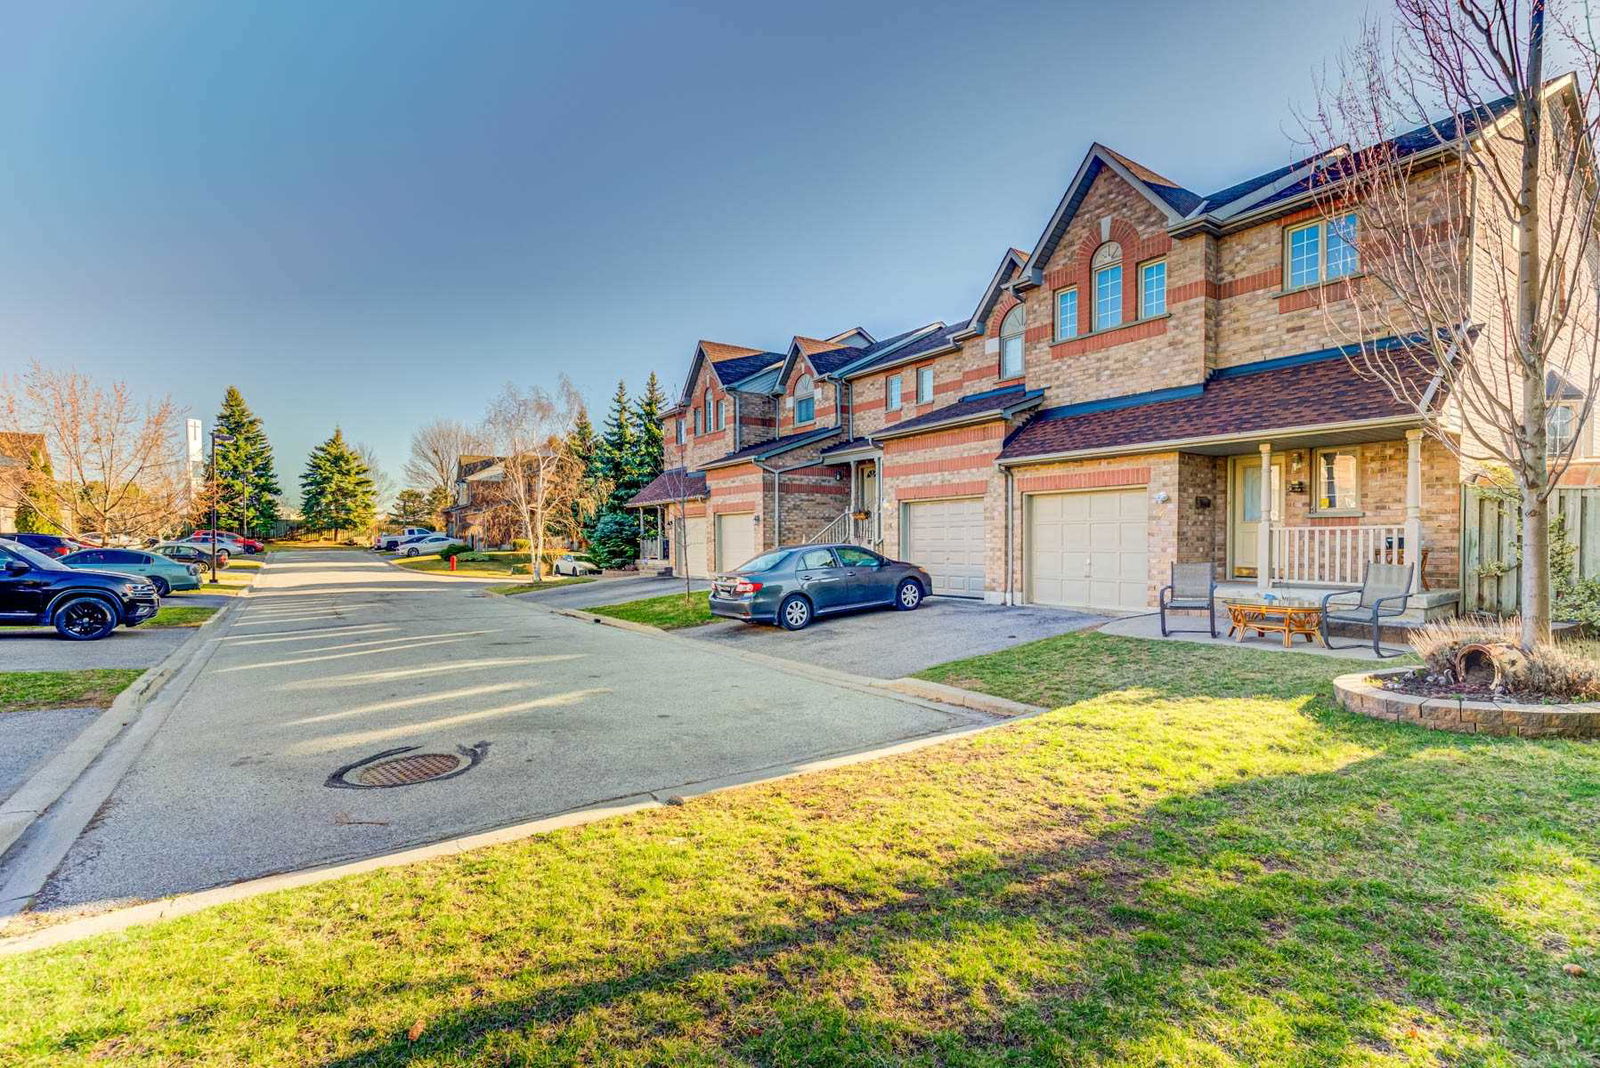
(404, 767)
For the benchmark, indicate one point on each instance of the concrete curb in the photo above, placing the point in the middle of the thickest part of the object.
(41, 797)
(187, 904)
(954, 695)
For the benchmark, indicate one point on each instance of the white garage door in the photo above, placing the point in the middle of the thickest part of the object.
(1088, 549)
(736, 540)
(945, 538)
(694, 545)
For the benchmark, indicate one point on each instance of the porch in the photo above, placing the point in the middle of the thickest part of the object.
(861, 521)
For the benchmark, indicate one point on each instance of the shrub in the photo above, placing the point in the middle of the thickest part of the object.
(1562, 671)
(520, 545)
(615, 541)
(455, 548)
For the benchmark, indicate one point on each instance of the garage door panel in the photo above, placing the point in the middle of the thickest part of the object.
(694, 546)
(946, 538)
(1088, 549)
(736, 540)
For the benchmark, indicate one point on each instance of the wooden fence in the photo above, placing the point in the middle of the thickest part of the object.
(1490, 536)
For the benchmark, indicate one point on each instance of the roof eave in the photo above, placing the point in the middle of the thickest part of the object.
(1178, 444)
(988, 415)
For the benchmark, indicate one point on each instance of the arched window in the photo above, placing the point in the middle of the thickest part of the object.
(805, 399)
(709, 409)
(1107, 268)
(1012, 328)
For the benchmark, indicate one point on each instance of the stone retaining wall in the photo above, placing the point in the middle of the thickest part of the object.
(1359, 694)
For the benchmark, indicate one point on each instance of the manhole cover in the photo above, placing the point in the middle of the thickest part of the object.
(404, 766)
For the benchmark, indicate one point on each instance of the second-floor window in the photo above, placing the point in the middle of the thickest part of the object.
(1012, 328)
(805, 400)
(678, 433)
(698, 429)
(1321, 252)
(891, 393)
(1066, 314)
(1107, 267)
(1559, 425)
(925, 384)
(719, 415)
(1152, 289)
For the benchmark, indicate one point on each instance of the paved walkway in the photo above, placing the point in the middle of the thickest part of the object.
(337, 657)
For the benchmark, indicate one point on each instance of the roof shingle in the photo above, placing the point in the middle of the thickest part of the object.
(674, 484)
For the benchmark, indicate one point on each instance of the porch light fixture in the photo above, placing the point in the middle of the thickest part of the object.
(1297, 486)
(1202, 502)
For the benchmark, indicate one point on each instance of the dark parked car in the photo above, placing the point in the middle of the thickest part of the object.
(37, 591)
(792, 586)
(48, 544)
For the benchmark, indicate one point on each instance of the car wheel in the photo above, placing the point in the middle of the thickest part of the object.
(794, 613)
(908, 596)
(163, 587)
(411, 551)
(85, 619)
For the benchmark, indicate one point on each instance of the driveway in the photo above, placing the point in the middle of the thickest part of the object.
(887, 644)
(610, 591)
(336, 658)
(41, 649)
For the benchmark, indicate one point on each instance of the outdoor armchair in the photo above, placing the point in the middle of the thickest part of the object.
(1193, 588)
(1385, 589)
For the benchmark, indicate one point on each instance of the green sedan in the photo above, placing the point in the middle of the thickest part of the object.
(164, 574)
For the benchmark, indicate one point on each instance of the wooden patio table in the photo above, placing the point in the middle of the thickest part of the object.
(1278, 615)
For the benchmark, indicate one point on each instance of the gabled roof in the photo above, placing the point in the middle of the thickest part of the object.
(1010, 266)
(673, 484)
(730, 363)
(1557, 387)
(1315, 389)
(911, 345)
(977, 408)
(852, 335)
(774, 447)
(810, 346)
(1171, 193)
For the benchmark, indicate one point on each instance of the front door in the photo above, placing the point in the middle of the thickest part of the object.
(866, 531)
(1246, 512)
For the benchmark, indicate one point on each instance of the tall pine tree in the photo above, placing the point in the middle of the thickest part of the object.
(247, 479)
(647, 453)
(336, 490)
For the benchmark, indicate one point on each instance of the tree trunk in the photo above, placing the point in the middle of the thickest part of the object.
(1535, 474)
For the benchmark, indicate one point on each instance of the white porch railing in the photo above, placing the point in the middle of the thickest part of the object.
(1333, 555)
(652, 548)
(836, 531)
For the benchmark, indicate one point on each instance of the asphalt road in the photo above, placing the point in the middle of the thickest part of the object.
(337, 657)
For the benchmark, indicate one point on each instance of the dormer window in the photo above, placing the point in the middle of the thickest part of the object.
(720, 423)
(1012, 328)
(805, 400)
(708, 409)
(1107, 268)
(678, 433)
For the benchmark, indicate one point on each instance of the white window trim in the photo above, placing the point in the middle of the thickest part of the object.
(1122, 281)
(1144, 311)
(1316, 483)
(1321, 226)
(1062, 335)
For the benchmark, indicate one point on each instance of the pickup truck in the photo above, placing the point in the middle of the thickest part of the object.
(389, 542)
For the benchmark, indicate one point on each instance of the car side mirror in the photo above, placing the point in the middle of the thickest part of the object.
(17, 567)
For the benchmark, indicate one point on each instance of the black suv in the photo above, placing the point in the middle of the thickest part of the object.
(36, 591)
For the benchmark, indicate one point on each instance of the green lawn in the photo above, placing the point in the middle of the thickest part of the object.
(95, 687)
(517, 588)
(669, 611)
(170, 615)
(499, 563)
(1194, 860)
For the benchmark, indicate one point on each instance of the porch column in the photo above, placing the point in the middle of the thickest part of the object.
(854, 489)
(1413, 554)
(1264, 528)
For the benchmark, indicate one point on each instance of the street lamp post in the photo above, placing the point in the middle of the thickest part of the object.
(218, 437)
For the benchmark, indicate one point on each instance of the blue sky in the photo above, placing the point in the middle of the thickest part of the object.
(372, 214)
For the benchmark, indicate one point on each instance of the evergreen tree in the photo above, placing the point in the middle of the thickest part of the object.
(616, 459)
(647, 453)
(336, 490)
(247, 479)
(438, 500)
(584, 448)
(412, 508)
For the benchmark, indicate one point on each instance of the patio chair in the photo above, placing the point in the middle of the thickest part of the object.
(1385, 589)
(1193, 588)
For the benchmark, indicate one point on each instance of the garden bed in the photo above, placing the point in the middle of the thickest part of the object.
(1376, 694)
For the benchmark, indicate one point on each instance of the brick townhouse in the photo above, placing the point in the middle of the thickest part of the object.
(1162, 377)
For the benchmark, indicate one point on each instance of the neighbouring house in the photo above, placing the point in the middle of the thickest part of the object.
(475, 516)
(19, 453)
(1161, 377)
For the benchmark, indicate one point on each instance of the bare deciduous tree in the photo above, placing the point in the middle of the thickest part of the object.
(118, 463)
(435, 450)
(1476, 239)
(541, 476)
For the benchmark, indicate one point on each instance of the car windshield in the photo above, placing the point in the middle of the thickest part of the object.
(764, 562)
(37, 559)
